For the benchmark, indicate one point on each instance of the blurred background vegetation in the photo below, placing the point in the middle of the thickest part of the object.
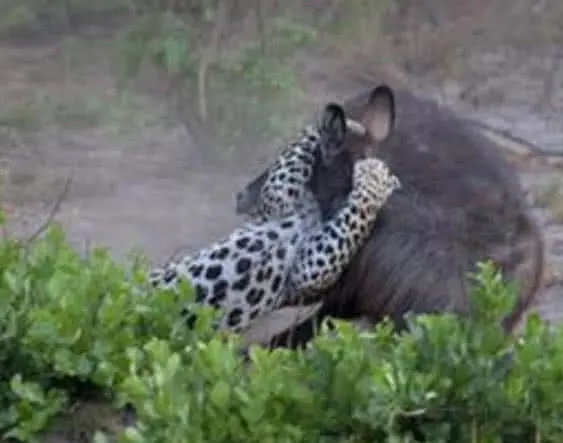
(229, 70)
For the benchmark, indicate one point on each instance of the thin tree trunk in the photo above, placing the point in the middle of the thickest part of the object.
(208, 56)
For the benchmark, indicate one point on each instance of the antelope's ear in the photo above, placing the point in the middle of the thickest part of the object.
(379, 118)
(332, 127)
(249, 197)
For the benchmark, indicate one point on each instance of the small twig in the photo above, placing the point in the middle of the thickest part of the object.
(5, 232)
(413, 413)
(474, 431)
(526, 147)
(261, 27)
(54, 210)
(549, 83)
(87, 246)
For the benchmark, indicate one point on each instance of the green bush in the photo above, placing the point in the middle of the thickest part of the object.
(71, 322)
(448, 380)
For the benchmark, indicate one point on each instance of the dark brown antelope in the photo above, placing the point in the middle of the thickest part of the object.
(459, 204)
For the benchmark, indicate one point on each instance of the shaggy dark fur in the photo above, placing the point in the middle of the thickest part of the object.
(459, 204)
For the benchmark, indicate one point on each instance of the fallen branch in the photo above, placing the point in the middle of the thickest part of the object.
(208, 55)
(54, 210)
(518, 145)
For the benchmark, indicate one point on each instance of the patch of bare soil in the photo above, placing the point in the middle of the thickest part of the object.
(134, 183)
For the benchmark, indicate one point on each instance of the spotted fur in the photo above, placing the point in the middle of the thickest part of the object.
(285, 252)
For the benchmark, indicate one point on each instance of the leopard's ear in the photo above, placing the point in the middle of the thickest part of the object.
(332, 128)
(333, 122)
(379, 117)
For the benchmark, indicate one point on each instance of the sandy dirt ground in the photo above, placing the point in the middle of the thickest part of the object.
(135, 183)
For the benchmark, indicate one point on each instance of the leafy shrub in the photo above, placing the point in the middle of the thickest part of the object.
(68, 322)
(447, 380)
(72, 322)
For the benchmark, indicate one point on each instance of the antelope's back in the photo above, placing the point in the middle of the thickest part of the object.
(460, 203)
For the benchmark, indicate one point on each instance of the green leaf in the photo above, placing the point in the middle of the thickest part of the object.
(220, 394)
(28, 391)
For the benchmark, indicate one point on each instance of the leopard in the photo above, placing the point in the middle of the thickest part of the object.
(285, 252)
